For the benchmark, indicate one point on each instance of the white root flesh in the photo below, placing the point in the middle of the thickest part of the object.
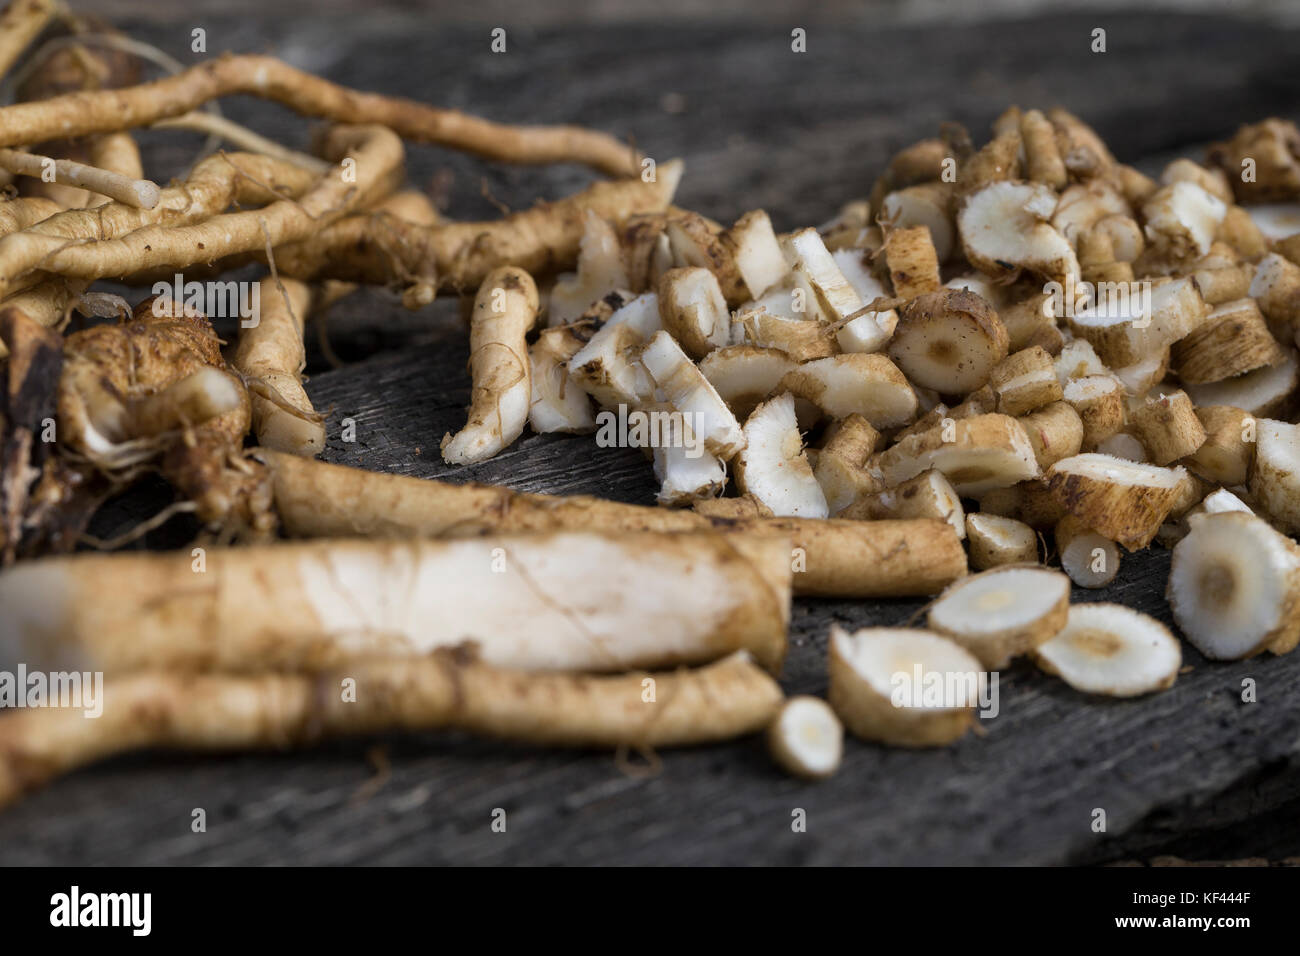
(683, 386)
(773, 467)
(745, 375)
(863, 384)
(806, 738)
(1112, 650)
(504, 310)
(995, 540)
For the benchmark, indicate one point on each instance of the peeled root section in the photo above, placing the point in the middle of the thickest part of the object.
(806, 738)
(1003, 613)
(905, 687)
(598, 602)
(1112, 650)
(446, 690)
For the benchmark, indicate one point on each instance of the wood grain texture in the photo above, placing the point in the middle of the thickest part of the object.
(797, 135)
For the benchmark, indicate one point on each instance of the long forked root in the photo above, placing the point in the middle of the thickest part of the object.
(504, 310)
(730, 698)
(79, 114)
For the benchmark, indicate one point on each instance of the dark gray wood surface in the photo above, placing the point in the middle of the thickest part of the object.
(796, 134)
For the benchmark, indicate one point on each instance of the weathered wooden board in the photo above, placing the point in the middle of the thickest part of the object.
(796, 134)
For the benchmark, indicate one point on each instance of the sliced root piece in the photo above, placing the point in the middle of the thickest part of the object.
(683, 386)
(1168, 427)
(1055, 432)
(802, 339)
(745, 375)
(452, 690)
(870, 330)
(1225, 284)
(1043, 162)
(1003, 228)
(1275, 477)
(863, 384)
(694, 311)
(558, 404)
(1276, 287)
(1099, 401)
(694, 242)
(686, 472)
(1263, 392)
(1082, 206)
(1272, 148)
(754, 247)
(1124, 445)
(1112, 650)
(949, 340)
(1233, 340)
(1091, 560)
(1001, 614)
(928, 495)
(878, 683)
(1028, 501)
(928, 205)
(773, 467)
(976, 454)
(1182, 220)
(504, 310)
(839, 468)
(912, 261)
(995, 541)
(1078, 359)
(1123, 500)
(1140, 377)
(812, 262)
(806, 738)
(1025, 381)
(1234, 587)
(605, 367)
(600, 271)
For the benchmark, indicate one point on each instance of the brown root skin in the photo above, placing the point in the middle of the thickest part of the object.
(447, 690)
(79, 114)
(843, 558)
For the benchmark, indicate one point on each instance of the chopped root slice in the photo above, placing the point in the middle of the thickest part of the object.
(912, 261)
(995, 541)
(858, 383)
(1099, 401)
(1125, 446)
(949, 341)
(928, 495)
(686, 475)
(813, 263)
(1168, 427)
(1138, 379)
(684, 387)
(803, 339)
(1181, 220)
(870, 331)
(1078, 359)
(504, 310)
(1275, 479)
(976, 454)
(1276, 287)
(1123, 500)
(694, 242)
(693, 310)
(600, 272)
(753, 245)
(1233, 340)
(1112, 650)
(773, 467)
(806, 738)
(605, 367)
(1003, 228)
(1216, 503)
(1004, 613)
(566, 601)
(727, 699)
(1025, 381)
(839, 468)
(1234, 587)
(909, 688)
(1260, 393)
(928, 205)
(1028, 501)
(1091, 560)
(745, 375)
(1056, 432)
(558, 404)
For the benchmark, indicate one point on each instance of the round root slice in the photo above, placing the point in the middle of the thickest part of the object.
(1090, 559)
(996, 540)
(949, 341)
(1275, 479)
(1003, 228)
(1124, 500)
(1003, 613)
(858, 383)
(905, 687)
(1112, 650)
(773, 467)
(806, 738)
(1234, 587)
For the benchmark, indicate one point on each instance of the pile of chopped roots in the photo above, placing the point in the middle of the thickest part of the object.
(1009, 358)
